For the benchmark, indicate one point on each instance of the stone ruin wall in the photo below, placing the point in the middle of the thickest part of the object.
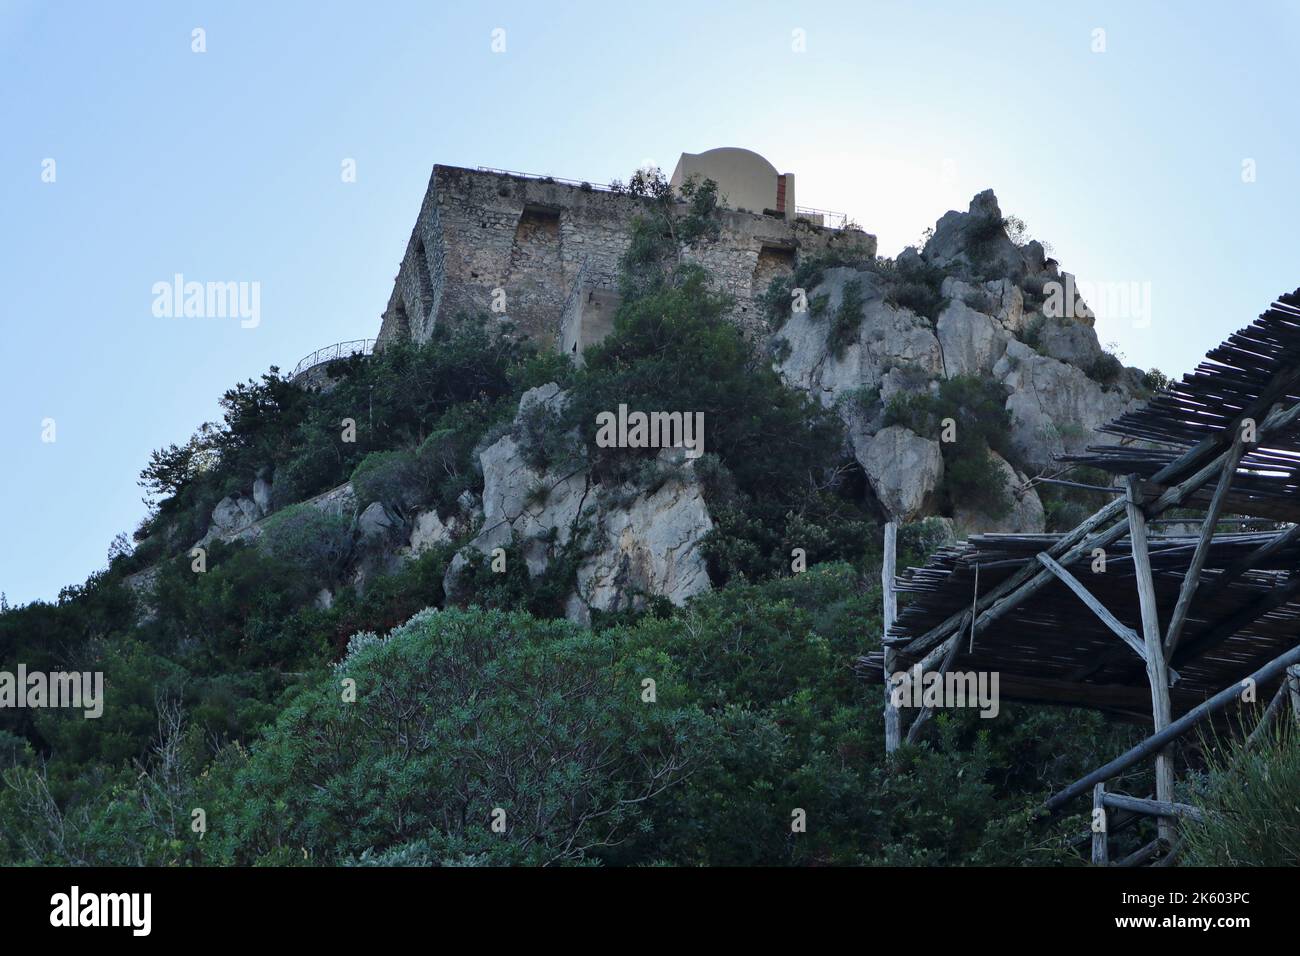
(554, 249)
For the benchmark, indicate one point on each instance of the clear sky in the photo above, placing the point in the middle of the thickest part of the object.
(226, 166)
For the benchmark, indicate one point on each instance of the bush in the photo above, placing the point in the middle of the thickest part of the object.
(315, 541)
(1252, 816)
(459, 715)
(391, 477)
(978, 409)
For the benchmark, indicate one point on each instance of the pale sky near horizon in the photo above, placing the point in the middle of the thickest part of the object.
(225, 166)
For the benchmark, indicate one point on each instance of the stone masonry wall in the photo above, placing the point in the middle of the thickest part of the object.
(543, 242)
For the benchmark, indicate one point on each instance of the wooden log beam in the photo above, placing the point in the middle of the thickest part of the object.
(1176, 729)
(915, 730)
(893, 724)
(1157, 671)
(1152, 808)
(1082, 540)
(1193, 576)
(1208, 447)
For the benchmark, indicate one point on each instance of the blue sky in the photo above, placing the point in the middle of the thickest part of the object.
(225, 166)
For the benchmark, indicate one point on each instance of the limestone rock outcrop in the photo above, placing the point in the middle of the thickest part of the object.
(996, 321)
(633, 543)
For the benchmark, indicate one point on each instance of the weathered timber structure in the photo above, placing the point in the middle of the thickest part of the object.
(1169, 629)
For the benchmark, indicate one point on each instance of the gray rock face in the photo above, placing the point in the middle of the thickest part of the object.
(975, 243)
(1000, 298)
(971, 341)
(1055, 408)
(427, 531)
(904, 470)
(376, 525)
(635, 543)
(650, 547)
(1068, 340)
(262, 495)
(233, 515)
(888, 337)
(1024, 517)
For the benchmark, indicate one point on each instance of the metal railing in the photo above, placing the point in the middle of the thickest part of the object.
(834, 220)
(331, 352)
(600, 187)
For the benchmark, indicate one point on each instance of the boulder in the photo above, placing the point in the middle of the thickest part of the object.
(427, 531)
(377, 525)
(903, 469)
(232, 515)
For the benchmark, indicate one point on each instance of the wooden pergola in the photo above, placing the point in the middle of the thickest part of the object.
(1167, 628)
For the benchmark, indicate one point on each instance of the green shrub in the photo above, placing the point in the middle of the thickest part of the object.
(848, 318)
(459, 713)
(1249, 798)
(982, 424)
(315, 541)
(392, 477)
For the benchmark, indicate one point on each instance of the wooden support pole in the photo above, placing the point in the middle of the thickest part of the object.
(1100, 854)
(1293, 687)
(915, 730)
(1193, 576)
(1157, 672)
(893, 726)
(1270, 714)
(1155, 742)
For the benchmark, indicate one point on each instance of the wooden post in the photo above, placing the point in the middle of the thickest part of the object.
(1157, 671)
(1192, 579)
(893, 726)
(1100, 854)
(1293, 685)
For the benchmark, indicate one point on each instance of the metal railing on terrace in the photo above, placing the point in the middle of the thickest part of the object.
(833, 220)
(331, 352)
